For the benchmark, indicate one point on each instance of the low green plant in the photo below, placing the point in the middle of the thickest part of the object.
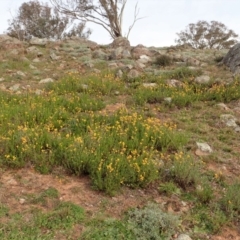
(184, 170)
(206, 219)
(64, 216)
(169, 188)
(230, 201)
(151, 222)
(204, 192)
(108, 229)
(163, 61)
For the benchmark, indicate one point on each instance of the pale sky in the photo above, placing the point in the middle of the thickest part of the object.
(163, 18)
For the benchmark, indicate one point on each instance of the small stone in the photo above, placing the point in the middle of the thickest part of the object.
(149, 85)
(46, 80)
(20, 73)
(202, 79)
(174, 83)
(22, 200)
(36, 60)
(53, 56)
(2, 79)
(38, 92)
(229, 120)
(32, 67)
(133, 73)
(168, 99)
(119, 73)
(84, 86)
(14, 88)
(183, 237)
(204, 147)
(12, 182)
(223, 106)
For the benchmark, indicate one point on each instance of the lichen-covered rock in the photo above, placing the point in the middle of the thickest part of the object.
(232, 59)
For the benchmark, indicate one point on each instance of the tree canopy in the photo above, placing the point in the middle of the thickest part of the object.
(40, 20)
(204, 35)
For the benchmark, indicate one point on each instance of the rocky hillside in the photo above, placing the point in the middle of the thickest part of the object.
(25, 66)
(118, 141)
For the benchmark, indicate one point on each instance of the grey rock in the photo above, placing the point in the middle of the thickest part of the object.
(126, 54)
(232, 59)
(133, 73)
(15, 87)
(223, 106)
(32, 67)
(174, 83)
(20, 73)
(84, 86)
(53, 56)
(36, 60)
(117, 53)
(32, 49)
(168, 99)
(38, 41)
(100, 54)
(121, 42)
(149, 85)
(144, 59)
(38, 92)
(229, 120)
(46, 80)
(22, 200)
(112, 65)
(204, 147)
(140, 50)
(183, 237)
(204, 79)
(119, 73)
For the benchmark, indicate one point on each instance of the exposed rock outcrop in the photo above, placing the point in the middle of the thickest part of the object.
(232, 59)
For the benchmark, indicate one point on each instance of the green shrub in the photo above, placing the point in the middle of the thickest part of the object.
(163, 61)
(151, 222)
(230, 202)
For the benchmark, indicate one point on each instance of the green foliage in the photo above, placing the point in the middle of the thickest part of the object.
(109, 229)
(39, 225)
(64, 216)
(152, 223)
(230, 202)
(183, 170)
(39, 20)
(207, 35)
(169, 188)
(204, 192)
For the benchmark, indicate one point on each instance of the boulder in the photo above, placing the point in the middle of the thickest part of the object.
(82, 41)
(38, 41)
(232, 59)
(7, 42)
(140, 50)
(120, 42)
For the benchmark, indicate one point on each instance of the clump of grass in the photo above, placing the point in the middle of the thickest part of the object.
(151, 222)
(230, 202)
(183, 170)
(208, 219)
(108, 229)
(169, 188)
(39, 225)
(163, 61)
